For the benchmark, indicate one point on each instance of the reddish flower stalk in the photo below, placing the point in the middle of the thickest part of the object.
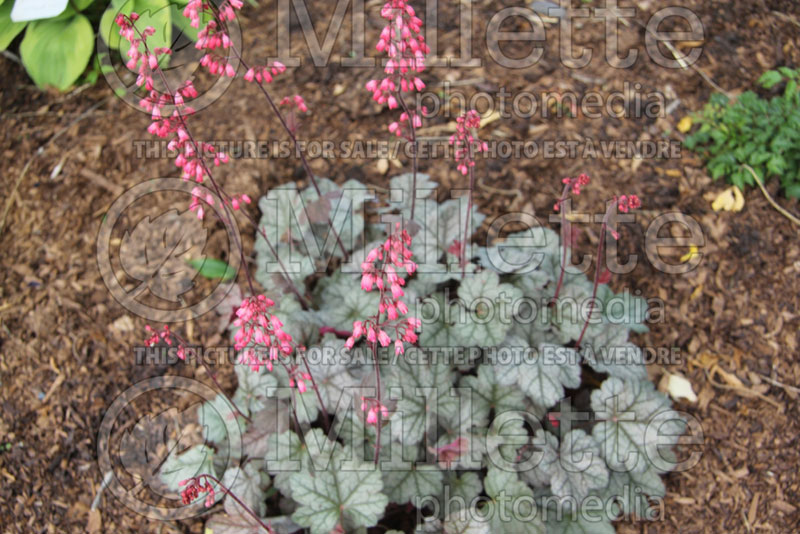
(166, 336)
(192, 156)
(467, 145)
(571, 185)
(404, 44)
(194, 486)
(380, 269)
(624, 204)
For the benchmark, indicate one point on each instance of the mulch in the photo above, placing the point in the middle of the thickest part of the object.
(65, 344)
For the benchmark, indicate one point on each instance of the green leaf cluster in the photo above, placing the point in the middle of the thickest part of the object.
(763, 133)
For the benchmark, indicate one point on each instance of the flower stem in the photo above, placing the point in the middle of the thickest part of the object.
(463, 258)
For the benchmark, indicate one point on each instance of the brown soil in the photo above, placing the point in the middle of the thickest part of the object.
(66, 345)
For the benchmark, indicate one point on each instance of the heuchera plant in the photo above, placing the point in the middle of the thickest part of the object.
(393, 366)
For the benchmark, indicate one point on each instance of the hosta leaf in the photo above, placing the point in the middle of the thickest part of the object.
(635, 421)
(425, 394)
(351, 498)
(576, 468)
(248, 485)
(55, 52)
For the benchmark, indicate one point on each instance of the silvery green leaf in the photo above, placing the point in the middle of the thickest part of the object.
(580, 524)
(488, 394)
(466, 521)
(251, 395)
(522, 252)
(350, 498)
(578, 468)
(331, 374)
(504, 438)
(222, 523)
(343, 301)
(274, 418)
(630, 491)
(512, 509)
(248, 485)
(460, 490)
(610, 352)
(425, 394)
(218, 418)
(305, 405)
(489, 306)
(544, 375)
(635, 421)
(570, 311)
(407, 479)
(360, 437)
(195, 461)
(302, 325)
(440, 225)
(439, 327)
(291, 264)
(538, 471)
(285, 455)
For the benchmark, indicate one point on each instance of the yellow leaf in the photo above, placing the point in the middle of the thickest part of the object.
(738, 202)
(685, 124)
(680, 388)
(689, 255)
(729, 200)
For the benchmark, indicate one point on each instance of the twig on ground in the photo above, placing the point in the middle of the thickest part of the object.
(774, 204)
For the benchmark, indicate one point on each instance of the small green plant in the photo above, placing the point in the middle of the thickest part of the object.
(764, 134)
(57, 50)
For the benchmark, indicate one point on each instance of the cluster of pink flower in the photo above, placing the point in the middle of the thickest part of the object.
(264, 73)
(194, 487)
(396, 127)
(572, 185)
(256, 324)
(214, 35)
(464, 141)
(199, 199)
(625, 203)
(191, 154)
(372, 407)
(405, 45)
(296, 101)
(380, 269)
(166, 336)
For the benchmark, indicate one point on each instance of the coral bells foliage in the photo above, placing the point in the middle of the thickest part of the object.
(257, 326)
(464, 141)
(401, 39)
(380, 270)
